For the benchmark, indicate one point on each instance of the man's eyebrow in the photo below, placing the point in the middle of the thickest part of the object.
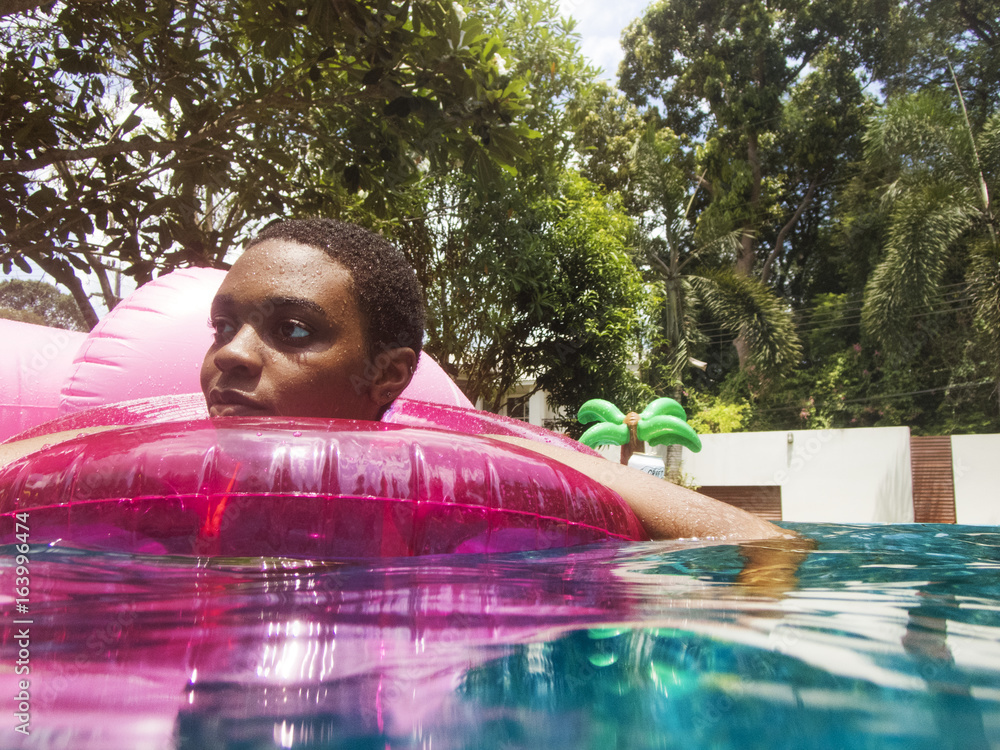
(225, 300)
(308, 304)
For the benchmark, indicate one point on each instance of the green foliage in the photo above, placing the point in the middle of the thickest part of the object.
(841, 384)
(594, 290)
(529, 274)
(770, 136)
(748, 308)
(22, 316)
(161, 134)
(740, 181)
(605, 127)
(542, 286)
(710, 414)
(941, 228)
(928, 39)
(40, 303)
(760, 106)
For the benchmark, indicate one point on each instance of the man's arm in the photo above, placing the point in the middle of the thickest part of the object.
(666, 510)
(10, 452)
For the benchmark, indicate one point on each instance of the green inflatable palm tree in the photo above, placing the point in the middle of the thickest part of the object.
(663, 422)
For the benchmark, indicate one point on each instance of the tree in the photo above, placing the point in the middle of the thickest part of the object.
(768, 92)
(160, 134)
(929, 42)
(39, 302)
(689, 276)
(530, 283)
(940, 174)
(530, 273)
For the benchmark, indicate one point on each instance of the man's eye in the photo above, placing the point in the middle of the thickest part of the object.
(224, 329)
(294, 330)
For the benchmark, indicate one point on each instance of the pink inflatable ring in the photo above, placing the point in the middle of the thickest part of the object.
(304, 488)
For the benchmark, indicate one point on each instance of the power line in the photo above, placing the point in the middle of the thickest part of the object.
(856, 305)
(723, 338)
(884, 397)
(720, 334)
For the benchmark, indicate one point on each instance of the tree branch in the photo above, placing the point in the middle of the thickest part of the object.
(10, 7)
(765, 273)
(61, 271)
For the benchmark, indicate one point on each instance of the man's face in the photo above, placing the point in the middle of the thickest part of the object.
(289, 339)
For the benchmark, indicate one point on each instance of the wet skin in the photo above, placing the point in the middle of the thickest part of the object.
(290, 341)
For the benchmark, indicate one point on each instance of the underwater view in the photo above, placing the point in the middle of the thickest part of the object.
(851, 637)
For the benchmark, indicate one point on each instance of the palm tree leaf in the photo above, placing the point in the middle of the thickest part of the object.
(605, 433)
(598, 409)
(749, 308)
(663, 407)
(923, 227)
(668, 430)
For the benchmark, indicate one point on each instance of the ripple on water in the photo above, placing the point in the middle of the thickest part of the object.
(859, 637)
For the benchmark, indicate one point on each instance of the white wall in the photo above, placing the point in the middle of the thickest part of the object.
(975, 463)
(538, 410)
(826, 476)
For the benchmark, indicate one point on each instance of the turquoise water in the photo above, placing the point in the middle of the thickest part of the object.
(856, 637)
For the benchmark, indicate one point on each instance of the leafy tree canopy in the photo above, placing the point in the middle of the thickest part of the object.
(530, 274)
(767, 97)
(40, 303)
(159, 134)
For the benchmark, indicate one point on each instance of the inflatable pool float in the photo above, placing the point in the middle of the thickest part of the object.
(168, 480)
(304, 488)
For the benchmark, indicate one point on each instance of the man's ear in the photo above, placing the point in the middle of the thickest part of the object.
(394, 368)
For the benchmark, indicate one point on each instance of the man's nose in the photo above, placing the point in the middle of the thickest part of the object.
(241, 351)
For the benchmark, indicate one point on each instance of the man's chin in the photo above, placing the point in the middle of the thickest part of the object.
(237, 410)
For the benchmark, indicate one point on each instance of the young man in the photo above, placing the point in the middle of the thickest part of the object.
(323, 319)
(315, 319)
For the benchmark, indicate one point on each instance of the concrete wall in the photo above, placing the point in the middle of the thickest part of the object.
(826, 476)
(976, 468)
(860, 475)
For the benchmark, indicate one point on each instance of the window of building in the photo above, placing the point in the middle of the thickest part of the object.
(517, 407)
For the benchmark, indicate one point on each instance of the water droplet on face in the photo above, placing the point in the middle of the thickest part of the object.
(259, 433)
(297, 433)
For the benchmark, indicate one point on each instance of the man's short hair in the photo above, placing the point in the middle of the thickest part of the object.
(384, 283)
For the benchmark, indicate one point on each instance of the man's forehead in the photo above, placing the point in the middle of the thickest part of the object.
(286, 250)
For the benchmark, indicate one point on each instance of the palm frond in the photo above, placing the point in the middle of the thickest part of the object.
(924, 226)
(984, 283)
(750, 309)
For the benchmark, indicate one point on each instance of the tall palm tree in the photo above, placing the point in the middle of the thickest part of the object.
(941, 177)
(695, 273)
(692, 268)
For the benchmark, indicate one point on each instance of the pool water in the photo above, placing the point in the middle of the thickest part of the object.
(854, 637)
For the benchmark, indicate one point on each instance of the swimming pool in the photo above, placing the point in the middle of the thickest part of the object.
(856, 637)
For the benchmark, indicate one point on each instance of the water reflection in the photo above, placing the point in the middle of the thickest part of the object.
(855, 637)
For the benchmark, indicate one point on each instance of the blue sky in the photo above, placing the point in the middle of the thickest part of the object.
(600, 27)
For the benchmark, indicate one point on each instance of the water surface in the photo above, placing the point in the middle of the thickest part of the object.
(854, 637)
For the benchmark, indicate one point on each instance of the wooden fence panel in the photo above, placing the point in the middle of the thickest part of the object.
(761, 500)
(933, 482)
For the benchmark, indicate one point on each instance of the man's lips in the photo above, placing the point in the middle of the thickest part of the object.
(233, 404)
